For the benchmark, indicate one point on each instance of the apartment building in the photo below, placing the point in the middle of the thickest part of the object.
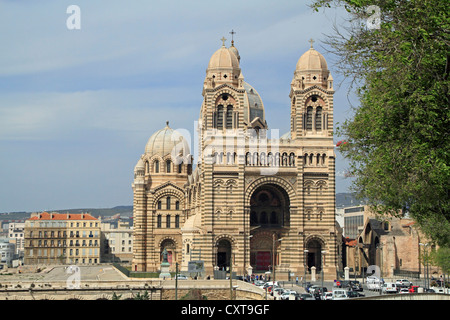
(62, 238)
(116, 242)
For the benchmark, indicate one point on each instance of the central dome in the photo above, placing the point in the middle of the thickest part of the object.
(166, 141)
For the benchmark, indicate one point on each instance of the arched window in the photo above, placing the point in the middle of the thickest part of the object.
(309, 112)
(219, 117)
(292, 159)
(177, 205)
(319, 118)
(229, 121)
(168, 221)
(168, 166)
(158, 221)
(156, 166)
(159, 204)
(180, 168)
(168, 203)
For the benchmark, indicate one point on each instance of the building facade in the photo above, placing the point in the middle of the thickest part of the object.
(16, 235)
(7, 252)
(116, 243)
(62, 238)
(255, 199)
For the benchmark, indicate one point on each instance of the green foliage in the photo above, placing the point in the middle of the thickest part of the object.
(398, 146)
(441, 258)
(116, 296)
(143, 296)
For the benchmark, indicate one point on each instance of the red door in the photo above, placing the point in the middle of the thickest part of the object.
(263, 260)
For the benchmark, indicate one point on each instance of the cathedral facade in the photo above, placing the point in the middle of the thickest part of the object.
(253, 199)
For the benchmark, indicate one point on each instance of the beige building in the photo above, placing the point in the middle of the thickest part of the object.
(16, 235)
(256, 198)
(392, 244)
(62, 238)
(116, 243)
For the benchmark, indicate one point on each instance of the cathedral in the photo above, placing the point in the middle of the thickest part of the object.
(254, 199)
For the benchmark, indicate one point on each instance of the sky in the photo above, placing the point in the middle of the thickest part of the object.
(77, 106)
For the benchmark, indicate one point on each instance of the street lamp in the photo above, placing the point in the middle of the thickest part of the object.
(380, 246)
(323, 263)
(426, 259)
(304, 264)
(274, 258)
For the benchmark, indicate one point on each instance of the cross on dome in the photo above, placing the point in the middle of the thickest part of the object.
(223, 41)
(311, 41)
(232, 32)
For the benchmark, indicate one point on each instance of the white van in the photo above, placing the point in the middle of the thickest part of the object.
(389, 287)
(339, 294)
(373, 283)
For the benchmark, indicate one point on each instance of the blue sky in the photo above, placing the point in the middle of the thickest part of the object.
(78, 106)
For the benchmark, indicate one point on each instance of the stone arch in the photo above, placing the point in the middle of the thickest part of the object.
(225, 89)
(170, 243)
(314, 244)
(168, 192)
(286, 186)
(225, 246)
(314, 92)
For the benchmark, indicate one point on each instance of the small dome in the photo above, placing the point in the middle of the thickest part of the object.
(235, 51)
(311, 60)
(140, 165)
(253, 105)
(286, 136)
(224, 58)
(166, 141)
(193, 223)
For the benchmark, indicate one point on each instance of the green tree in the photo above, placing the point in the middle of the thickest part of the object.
(398, 138)
(441, 258)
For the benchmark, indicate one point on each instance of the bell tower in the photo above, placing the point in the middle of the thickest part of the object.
(312, 97)
(312, 129)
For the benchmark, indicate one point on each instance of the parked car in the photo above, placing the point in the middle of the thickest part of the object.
(354, 294)
(316, 289)
(356, 286)
(404, 290)
(403, 283)
(277, 292)
(339, 294)
(373, 283)
(306, 296)
(259, 283)
(181, 277)
(289, 295)
(413, 289)
(327, 295)
(389, 287)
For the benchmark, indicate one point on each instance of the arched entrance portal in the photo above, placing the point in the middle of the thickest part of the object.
(314, 254)
(269, 218)
(223, 254)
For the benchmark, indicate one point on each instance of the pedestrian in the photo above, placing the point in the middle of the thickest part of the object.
(296, 280)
